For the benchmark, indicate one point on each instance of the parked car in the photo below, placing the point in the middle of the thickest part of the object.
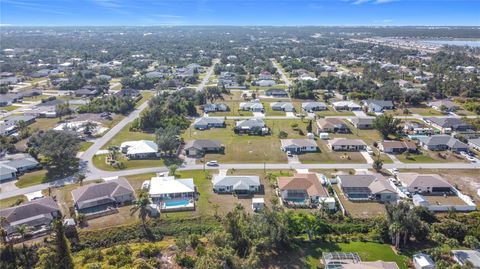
(212, 163)
(289, 154)
(369, 151)
(471, 159)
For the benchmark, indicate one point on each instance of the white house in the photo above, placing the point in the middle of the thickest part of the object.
(299, 145)
(240, 185)
(423, 261)
(140, 149)
(254, 106)
(346, 105)
(168, 188)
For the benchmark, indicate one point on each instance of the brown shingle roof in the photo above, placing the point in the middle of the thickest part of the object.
(308, 182)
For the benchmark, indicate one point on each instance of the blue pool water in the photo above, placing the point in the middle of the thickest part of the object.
(296, 200)
(177, 203)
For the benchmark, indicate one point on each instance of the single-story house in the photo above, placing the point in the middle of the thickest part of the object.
(264, 82)
(344, 144)
(164, 189)
(313, 106)
(299, 145)
(362, 122)
(302, 188)
(331, 125)
(474, 143)
(15, 119)
(448, 124)
(424, 183)
(378, 105)
(129, 93)
(279, 93)
(87, 92)
(36, 215)
(254, 106)
(240, 185)
(141, 149)
(23, 164)
(196, 148)
(7, 172)
(102, 197)
(251, 126)
(367, 187)
(393, 146)
(351, 260)
(467, 257)
(215, 108)
(282, 106)
(346, 105)
(442, 142)
(448, 105)
(423, 261)
(205, 123)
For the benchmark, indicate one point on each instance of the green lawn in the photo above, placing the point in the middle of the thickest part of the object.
(85, 145)
(11, 201)
(44, 124)
(270, 112)
(325, 155)
(99, 162)
(35, 98)
(333, 112)
(367, 251)
(248, 149)
(126, 135)
(9, 108)
(429, 157)
(146, 95)
(260, 88)
(31, 179)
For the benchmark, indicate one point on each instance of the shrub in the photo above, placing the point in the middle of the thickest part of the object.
(282, 135)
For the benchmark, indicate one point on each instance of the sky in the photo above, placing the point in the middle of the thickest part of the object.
(238, 12)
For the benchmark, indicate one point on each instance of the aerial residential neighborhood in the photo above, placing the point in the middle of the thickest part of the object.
(177, 143)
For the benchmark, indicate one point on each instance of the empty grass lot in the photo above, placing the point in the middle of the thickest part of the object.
(333, 112)
(30, 179)
(126, 135)
(245, 148)
(310, 253)
(9, 108)
(360, 209)
(326, 155)
(425, 156)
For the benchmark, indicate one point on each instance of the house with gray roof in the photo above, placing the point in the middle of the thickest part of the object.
(313, 106)
(474, 143)
(299, 145)
(240, 185)
(279, 93)
(255, 126)
(254, 106)
(215, 108)
(424, 183)
(467, 258)
(22, 164)
(448, 105)
(97, 199)
(199, 147)
(362, 122)
(7, 173)
(378, 105)
(448, 124)
(37, 215)
(345, 144)
(367, 187)
(282, 106)
(205, 123)
(442, 142)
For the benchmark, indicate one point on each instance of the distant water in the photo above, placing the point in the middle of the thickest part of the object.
(469, 43)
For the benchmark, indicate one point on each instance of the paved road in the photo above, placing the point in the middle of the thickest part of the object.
(207, 75)
(244, 166)
(282, 74)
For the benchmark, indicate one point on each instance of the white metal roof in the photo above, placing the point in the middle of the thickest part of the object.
(169, 185)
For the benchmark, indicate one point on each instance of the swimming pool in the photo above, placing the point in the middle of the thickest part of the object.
(177, 203)
(296, 200)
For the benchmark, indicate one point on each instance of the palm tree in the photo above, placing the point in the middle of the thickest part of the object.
(22, 230)
(141, 207)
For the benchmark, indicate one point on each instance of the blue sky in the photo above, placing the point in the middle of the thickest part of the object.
(239, 12)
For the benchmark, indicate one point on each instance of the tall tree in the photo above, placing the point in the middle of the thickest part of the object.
(63, 255)
(140, 207)
(387, 125)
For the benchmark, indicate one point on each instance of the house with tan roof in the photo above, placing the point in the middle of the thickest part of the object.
(302, 189)
(345, 144)
(424, 183)
(332, 125)
(37, 215)
(367, 187)
(97, 199)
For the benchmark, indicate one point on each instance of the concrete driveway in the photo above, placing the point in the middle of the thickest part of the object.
(359, 113)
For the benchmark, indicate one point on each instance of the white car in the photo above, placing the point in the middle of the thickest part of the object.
(471, 159)
(369, 151)
(463, 153)
(212, 163)
(289, 154)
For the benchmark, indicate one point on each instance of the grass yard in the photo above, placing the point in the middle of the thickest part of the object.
(35, 98)
(85, 145)
(360, 209)
(126, 135)
(4, 203)
(260, 88)
(44, 124)
(425, 156)
(270, 112)
(9, 108)
(311, 252)
(425, 111)
(31, 179)
(146, 95)
(99, 162)
(248, 149)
